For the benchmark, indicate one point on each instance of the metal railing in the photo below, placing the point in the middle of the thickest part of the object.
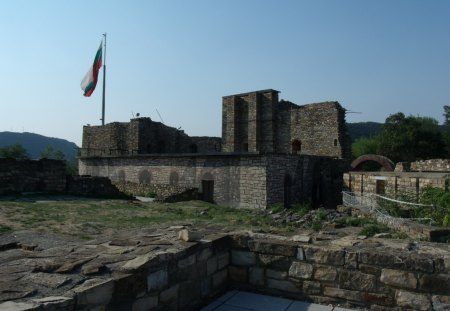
(369, 204)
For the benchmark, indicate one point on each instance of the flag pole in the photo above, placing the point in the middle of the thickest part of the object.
(104, 79)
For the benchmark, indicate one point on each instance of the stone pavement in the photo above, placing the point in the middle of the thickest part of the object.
(244, 301)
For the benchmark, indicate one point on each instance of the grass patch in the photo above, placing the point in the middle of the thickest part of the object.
(372, 229)
(4, 229)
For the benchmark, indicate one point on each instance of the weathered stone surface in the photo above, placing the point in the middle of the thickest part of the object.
(357, 280)
(311, 287)
(17, 306)
(301, 270)
(186, 262)
(275, 274)
(256, 276)
(412, 300)
(169, 294)
(287, 286)
(274, 261)
(145, 303)
(325, 273)
(219, 278)
(440, 303)
(335, 257)
(302, 238)
(301, 254)
(223, 260)
(189, 235)
(91, 269)
(435, 283)
(378, 299)
(95, 292)
(398, 278)
(157, 280)
(204, 254)
(47, 279)
(351, 260)
(343, 293)
(56, 303)
(139, 262)
(189, 295)
(283, 248)
(238, 274)
(211, 265)
(243, 258)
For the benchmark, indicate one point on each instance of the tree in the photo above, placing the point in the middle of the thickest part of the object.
(410, 138)
(363, 146)
(16, 151)
(446, 115)
(50, 153)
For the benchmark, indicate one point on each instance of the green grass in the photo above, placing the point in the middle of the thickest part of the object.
(86, 218)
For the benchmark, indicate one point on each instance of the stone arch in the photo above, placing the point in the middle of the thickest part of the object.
(296, 146)
(173, 178)
(386, 163)
(144, 177)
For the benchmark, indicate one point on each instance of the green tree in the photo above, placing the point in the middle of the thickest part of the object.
(363, 146)
(51, 153)
(16, 151)
(410, 138)
(446, 115)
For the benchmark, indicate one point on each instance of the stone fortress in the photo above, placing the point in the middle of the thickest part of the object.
(271, 151)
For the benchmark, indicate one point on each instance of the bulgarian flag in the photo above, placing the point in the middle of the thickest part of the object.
(90, 79)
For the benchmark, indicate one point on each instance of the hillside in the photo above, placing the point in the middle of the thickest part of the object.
(35, 143)
(363, 129)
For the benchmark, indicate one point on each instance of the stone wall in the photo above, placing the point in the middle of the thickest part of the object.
(433, 165)
(258, 122)
(372, 274)
(395, 183)
(93, 187)
(160, 192)
(239, 180)
(32, 176)
(142, 136)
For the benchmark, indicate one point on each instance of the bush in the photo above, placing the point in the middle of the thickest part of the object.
(372, 229)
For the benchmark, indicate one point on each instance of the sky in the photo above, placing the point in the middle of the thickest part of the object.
(180, 57)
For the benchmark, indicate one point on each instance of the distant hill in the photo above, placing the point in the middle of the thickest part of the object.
(363, 129)
(35, 143)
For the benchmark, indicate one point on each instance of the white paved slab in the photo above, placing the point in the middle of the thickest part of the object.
(244, 301)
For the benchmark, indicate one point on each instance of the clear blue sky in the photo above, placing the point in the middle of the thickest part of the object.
(181, 57)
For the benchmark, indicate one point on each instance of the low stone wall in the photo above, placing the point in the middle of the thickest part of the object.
(163, 192)
(373, 274)
(32, 176)
(93, 187)
(433, 165)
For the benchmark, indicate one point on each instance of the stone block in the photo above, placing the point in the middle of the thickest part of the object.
(219, 279)
(343, 293)
(357, 280)
(282, 285)
(94, 292)
(275, 274)
(378, 299)
(311, 288)
(412, 300)
(205, 254)
(335, 257)
(440, 303)
(18, 306)
(186, 262)
(435, 283)
(169, 294)
(211, 266)
(351, 260)
(189, 295)
(398, 278)
(145, 304)
(301, 270)
(243, 258)
(238, 274)
(223, 260)
(274, 261)
(325, 273)
(189, 235)
(256, 276)
(157, 280)
(283, 248)
(205, 287)
(139, 262)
